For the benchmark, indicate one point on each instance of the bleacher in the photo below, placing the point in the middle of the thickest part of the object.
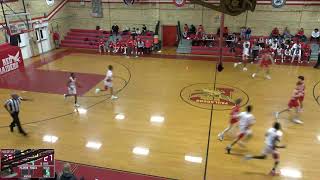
(88, 39)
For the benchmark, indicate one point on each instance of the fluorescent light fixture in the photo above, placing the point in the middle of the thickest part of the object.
(93, 145)
(141, 151)
(157, 119)
(81, 110)
(50, 138)
(193, 159)
(291, 173)
(120, 117)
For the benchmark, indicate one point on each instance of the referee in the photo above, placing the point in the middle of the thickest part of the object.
(13, 107)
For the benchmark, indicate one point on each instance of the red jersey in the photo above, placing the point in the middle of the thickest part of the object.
(130, 43)
(294, 100)
(101, 42)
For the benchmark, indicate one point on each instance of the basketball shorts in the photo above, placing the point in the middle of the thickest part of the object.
(269, 150)
(72, 90)
(107, 84)
(293, 104)
(233, 121)
(244, 131)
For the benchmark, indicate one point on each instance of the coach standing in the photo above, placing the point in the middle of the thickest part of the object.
(13, 107)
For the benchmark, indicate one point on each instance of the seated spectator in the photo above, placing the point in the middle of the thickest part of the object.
(315, 35)
(144, 29)
(300, 35)
(138, 31)
(261, 42)
(275, 33)
(185, 30)
(225, 32)
(193, 29)
(243, 32)
(248, 33)
(66, 173)
(148, 46)
(200, 32)
(101, 45)
(286, 33)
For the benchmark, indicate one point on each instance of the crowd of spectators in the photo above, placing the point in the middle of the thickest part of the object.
(283, 46)
(133, 41)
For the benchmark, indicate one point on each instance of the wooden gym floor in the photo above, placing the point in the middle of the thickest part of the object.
(155, 86)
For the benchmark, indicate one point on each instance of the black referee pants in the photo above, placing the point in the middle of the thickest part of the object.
(16, 121)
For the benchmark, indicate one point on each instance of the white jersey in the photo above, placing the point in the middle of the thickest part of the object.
(72, 82)
(296, 49)
(246, 48)
(272, 136)
(245, 120)
(109, 75)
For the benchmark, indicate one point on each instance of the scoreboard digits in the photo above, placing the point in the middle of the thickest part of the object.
(31, 163)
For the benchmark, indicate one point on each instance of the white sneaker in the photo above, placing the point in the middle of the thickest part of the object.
(268, 77)
(76, 105)
(97, 90)
(235, 65)
(64, 96)
(254, 75)
(245, 69)
(114, 97)
(247, 157)
(297, 121)
(220, 136)
(277, 114)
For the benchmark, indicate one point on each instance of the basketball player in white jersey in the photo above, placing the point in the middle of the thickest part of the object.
(246, 120)
(245, 55)
(72, 89)
(108, 83)
(272, 138)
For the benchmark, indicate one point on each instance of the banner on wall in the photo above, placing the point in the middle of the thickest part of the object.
(10, 59)
(179, 3)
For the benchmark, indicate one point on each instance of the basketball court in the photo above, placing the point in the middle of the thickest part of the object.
(165, 122)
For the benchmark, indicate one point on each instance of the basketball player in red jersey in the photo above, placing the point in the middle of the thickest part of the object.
(101, 45)
(302, 88)
(293, 104)
(265, 62)
(233, 119)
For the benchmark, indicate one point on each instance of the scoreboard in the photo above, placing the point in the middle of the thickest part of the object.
(33, 163)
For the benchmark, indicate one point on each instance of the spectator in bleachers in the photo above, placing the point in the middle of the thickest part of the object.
(144, 29)
(116, 46)
(300, 35)
(101, 45)
(248, 33)
(193, 29)
(130, 45)
(133, 33)
(148, 46)
(306, 49)
(116, 29)
(140, 45)
(261, 42)
(315, 35)
(200, 32)
(138, 32)
(56, 39)
(243, 31)
(275, 33)
(255, 50)
(286, 33)
(225, 32)
(66, 173)
(185, 31)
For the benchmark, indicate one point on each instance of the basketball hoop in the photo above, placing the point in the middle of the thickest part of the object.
(19, 23)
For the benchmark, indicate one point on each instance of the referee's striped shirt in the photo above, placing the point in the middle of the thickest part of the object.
(14, 104)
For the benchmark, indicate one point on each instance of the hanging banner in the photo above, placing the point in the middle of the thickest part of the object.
(10, 59)
(179, 3)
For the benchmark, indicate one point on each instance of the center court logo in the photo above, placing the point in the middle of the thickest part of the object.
(206, 96)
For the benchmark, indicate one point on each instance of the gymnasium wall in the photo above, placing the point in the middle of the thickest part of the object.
(39, 9)
(262, 20)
